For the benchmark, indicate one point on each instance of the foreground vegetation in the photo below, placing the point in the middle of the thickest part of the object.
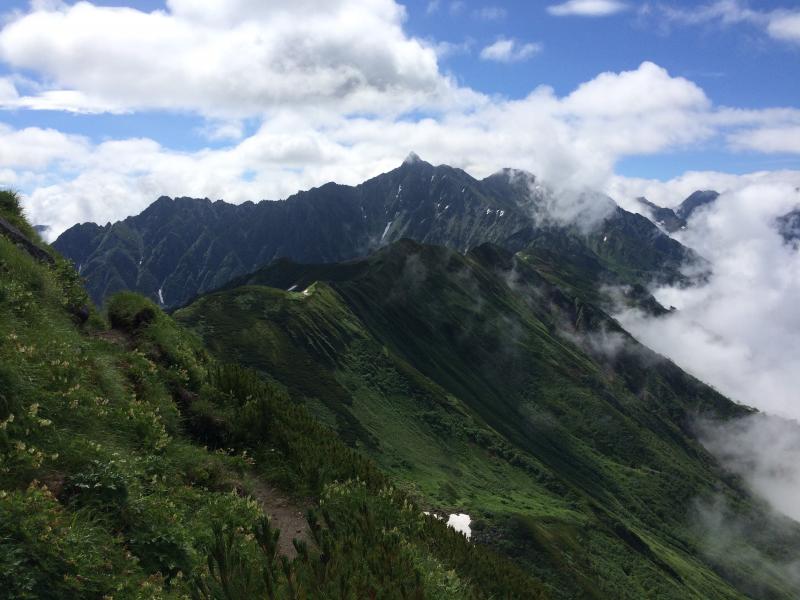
(133, 465)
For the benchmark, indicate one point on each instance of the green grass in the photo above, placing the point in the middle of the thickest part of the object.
(471, 381)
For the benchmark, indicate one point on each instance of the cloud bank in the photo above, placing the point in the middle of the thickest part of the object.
(741, 331)
(572, 141)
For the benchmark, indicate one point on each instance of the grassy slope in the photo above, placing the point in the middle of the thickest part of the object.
(126, 456)
(82, 413)
(487, 390)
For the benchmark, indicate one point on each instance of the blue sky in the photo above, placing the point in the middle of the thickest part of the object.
(715, 61)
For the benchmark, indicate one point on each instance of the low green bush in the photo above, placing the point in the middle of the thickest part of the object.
(129, 311)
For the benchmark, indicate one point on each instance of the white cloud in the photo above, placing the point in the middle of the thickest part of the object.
(741, 331)
(33, 148)
(648, 89)
(781, 24)
(728, 12)
(784, 25)
(610, 106)
(770, 139)
(587, 8)
(571, 141)
(446, 49)
(225, 130)
(234, 58)
(510, 50)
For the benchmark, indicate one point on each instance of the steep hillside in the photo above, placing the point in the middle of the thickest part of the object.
(134, 465)
(179, 248)
(490, 386)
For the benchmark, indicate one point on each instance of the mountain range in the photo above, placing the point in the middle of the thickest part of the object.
(179, 248)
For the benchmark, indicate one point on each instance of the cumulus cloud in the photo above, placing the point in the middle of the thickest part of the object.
(587, 8)
(233, 58)
(785, 25)
(34, 148)
(509, 50)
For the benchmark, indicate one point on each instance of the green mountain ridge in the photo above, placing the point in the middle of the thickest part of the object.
(485, 387)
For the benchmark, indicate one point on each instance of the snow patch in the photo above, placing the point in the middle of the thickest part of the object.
(160, 296)
(605, 238)
(460, 522)
(399, 189)
(293, 288)
(501, 213)
(385, 231)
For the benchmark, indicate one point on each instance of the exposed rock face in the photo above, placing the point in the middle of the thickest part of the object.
(674, 219)
(665, 217)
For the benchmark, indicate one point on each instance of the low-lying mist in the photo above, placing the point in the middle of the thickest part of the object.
(740, 332)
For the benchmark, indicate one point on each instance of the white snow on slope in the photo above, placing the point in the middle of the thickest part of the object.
(385, 231)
